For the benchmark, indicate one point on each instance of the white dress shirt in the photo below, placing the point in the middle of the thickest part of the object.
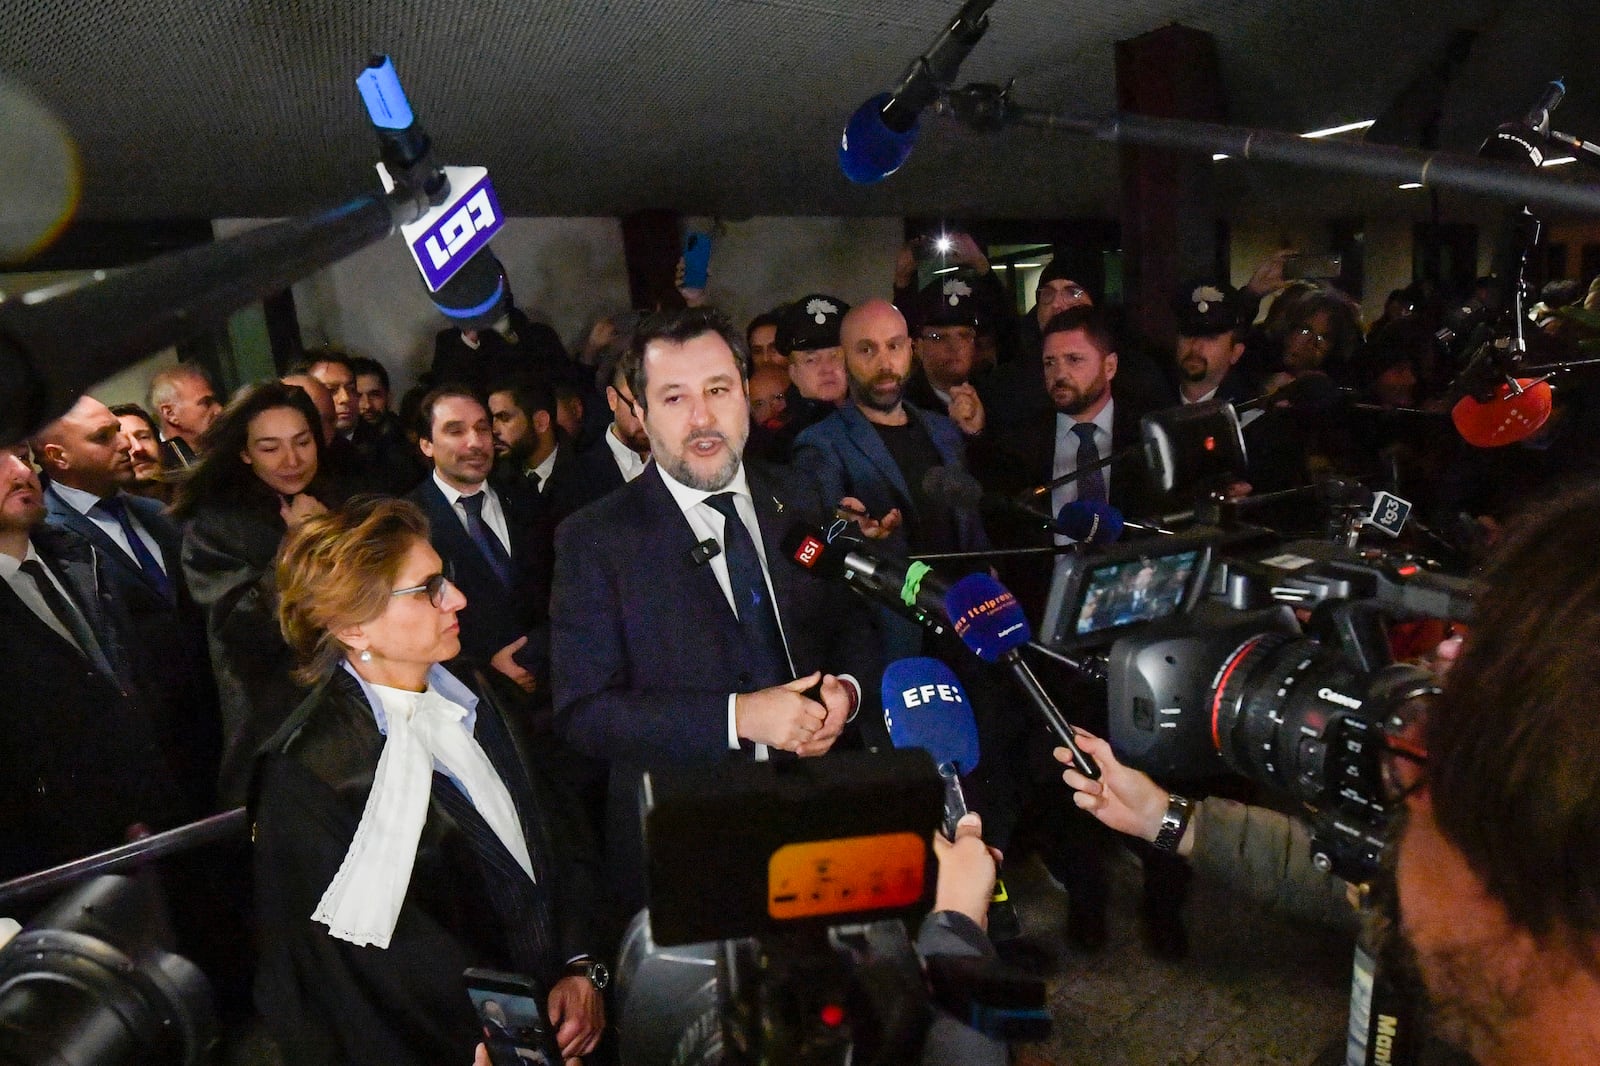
(1066, 458)
(22, 584)
(84, 504)
(630, 462)
(493, 516)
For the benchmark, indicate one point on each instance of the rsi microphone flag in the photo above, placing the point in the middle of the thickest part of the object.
(986, 616)
(925, 707)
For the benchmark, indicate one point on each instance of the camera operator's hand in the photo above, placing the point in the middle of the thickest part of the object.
(1125, 799)
(481, 1057)
(967, 871)
(1268, 277)
(964, 251)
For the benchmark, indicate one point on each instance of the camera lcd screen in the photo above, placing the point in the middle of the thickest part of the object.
(1134, 590)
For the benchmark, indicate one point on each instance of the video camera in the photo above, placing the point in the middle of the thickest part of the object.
(780, 896)
(1231, 651)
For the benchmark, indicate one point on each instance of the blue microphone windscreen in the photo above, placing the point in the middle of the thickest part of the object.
(925, 707)
(386, 101)
(986, 616)
(870, 151)
(1090, 521)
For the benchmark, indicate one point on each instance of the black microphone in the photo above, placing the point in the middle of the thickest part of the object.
(1308, 392)
(908, 586)
(1085, 521)
(879, 136)
(704, 552)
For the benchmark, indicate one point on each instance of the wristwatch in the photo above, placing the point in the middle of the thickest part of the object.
(1174, 822)
(595, 972)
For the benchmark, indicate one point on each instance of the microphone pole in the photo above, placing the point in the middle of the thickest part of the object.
(1446, 170)
(52, 350)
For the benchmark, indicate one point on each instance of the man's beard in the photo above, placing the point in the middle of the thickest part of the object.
(1193, 376)
(863, 393)
(1079, 402)
(682, 471)
(1475, 993)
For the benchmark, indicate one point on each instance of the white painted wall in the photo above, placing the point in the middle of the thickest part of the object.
(563, 271)
(758, 263)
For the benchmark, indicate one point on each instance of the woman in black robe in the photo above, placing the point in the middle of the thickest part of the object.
(400, 834)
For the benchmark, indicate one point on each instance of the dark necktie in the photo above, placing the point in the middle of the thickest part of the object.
(117, 508)
(533, 480)
(757, 618)
(1091, 486)
(494, 553)
(67, 613)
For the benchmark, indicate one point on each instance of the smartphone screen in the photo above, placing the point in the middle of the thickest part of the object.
(511, 1013)
(696, 260)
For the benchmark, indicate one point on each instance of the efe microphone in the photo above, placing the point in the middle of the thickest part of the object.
(988, 619)
(924, 706)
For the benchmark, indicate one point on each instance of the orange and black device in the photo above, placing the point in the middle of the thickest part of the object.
(743, 849)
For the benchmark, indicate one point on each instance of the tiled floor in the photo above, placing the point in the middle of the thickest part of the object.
(1254, 990)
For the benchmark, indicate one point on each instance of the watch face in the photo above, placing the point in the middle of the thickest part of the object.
(599, 974)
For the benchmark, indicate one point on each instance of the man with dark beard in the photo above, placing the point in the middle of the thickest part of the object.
(1088, 422)
(679, 632)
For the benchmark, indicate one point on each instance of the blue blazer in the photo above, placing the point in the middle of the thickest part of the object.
(847, 457)
(645, 650)
(167, 651)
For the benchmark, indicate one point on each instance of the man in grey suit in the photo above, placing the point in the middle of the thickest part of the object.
(85, 456)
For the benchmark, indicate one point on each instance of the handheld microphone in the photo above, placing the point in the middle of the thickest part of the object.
(908, 586)
(1509, 416)
(989, 621)
(880, 135)
(1308, 392)
(924, 706)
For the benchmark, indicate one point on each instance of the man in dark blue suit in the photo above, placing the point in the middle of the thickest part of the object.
(678, 630)
(82, 761)
(86, 457)
(487, 536)
(875, 453)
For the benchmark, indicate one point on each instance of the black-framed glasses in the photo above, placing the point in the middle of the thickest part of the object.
(966, 333)
(434, 587)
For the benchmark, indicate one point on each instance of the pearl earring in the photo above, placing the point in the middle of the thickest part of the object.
(365, 656)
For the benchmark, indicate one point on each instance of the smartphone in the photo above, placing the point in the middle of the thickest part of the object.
(511, 1013)
(1317, 267)
(696, 259)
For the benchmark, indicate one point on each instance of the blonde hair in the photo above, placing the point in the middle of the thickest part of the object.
(336, 570)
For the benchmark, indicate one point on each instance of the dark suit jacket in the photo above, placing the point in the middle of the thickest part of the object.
(495, 615)
(1012, 459)
(847, 457)
(166, 646)
(82, 760)
(468, 902)
(645, 649)
(592, 473)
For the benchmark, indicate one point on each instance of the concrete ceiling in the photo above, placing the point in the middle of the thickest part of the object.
(213, 108)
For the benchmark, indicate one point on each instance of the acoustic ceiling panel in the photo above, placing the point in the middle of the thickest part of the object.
(206, 108)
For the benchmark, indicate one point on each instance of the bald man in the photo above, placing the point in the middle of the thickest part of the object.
(85, 456)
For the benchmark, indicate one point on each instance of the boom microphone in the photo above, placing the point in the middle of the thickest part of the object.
(924, 706)
(1085, 521)
(880, 135)
(989, 621)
